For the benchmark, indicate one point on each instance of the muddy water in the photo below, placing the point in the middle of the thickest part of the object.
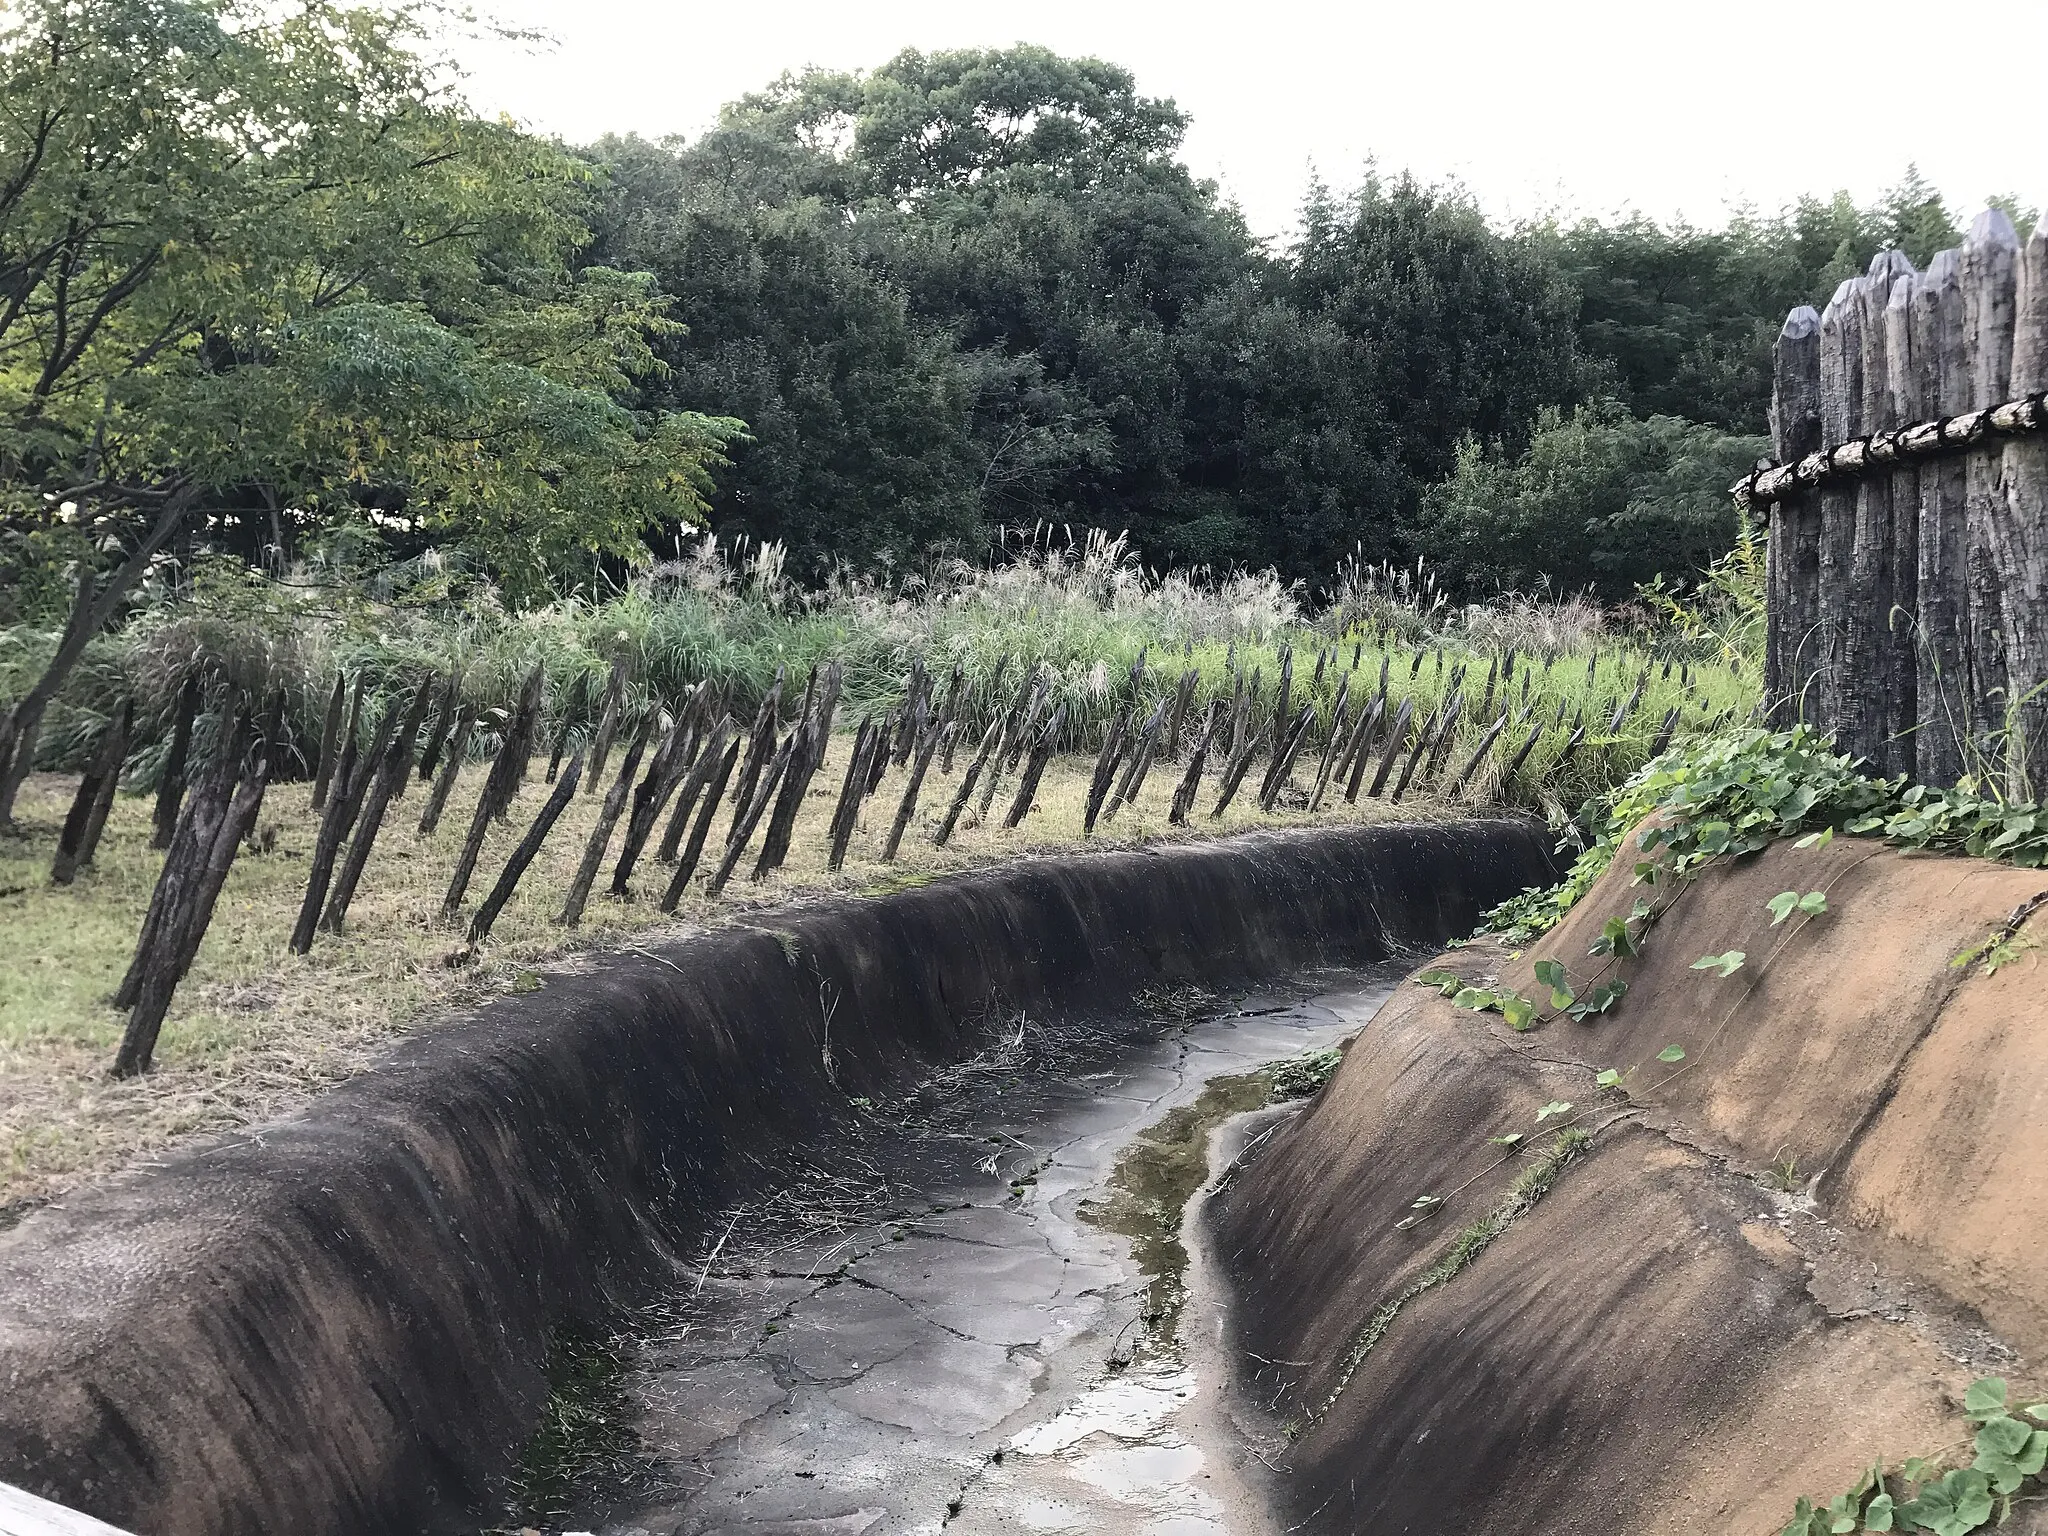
(975, 1314)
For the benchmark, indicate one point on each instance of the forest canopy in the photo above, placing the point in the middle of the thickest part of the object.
(267, 282)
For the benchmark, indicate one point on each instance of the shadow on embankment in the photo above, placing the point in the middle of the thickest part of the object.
(336, 1323)
(1776, 1260)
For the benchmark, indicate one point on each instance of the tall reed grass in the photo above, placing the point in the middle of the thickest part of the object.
(1083, 610)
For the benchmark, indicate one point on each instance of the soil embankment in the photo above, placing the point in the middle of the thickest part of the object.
(1774, 1262)
(336, 1323)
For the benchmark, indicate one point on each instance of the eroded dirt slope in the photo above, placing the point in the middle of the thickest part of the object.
(1773, 1261)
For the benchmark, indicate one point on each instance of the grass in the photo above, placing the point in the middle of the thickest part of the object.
(1085, 613)
(255, 1031)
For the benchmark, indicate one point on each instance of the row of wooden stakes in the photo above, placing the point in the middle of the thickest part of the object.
(704, 760)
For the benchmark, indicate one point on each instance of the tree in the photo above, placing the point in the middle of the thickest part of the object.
(1683, 318)
(1600, 501)
(258, 256)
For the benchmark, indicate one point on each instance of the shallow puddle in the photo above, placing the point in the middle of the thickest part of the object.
(974, 1313)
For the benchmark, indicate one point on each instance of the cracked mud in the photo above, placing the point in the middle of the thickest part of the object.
(955, 1318)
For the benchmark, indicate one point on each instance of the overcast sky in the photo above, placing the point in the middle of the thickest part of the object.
(1573, 105)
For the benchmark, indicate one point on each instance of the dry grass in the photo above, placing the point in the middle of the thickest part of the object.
(255, 1031)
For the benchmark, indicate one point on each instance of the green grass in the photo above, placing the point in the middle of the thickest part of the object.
(1085, 615)
(254, 1031)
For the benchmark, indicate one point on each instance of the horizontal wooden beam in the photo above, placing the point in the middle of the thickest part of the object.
(1881, 450)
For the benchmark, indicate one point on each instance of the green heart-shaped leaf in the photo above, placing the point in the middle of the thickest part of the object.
(1985, 1397)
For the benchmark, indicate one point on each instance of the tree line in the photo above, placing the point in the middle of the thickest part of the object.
(266, 283)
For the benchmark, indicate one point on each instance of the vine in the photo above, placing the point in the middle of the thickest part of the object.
(1926, 1493)
(1732, 795)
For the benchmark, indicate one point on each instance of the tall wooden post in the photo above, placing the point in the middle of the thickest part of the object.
(1989, 276)
(1905, 394)
(1793, 558)
(1841, 411)
(2022, 531)
(1942, 692)
(1866, 653)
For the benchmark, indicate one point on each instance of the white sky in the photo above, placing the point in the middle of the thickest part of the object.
(1576, 105)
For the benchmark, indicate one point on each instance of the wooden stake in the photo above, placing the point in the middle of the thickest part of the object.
(1282, 768)
(607, 818)
(607, 723)
(1027, 787)
(1191, 781)
(1395, 737)
(444, 723)
(908, 807)
(330, 733)
(760, 743)
(1105, 767)
(170, 785)
(1139, 762)
(846, 814)
(95, 797)
(344, 804)
(693, 786)
(2021, 532)
(1361, 749)
(664, 772)
(737, 845)
(1478, 755)
(968, 780)
(391, 771)
(789, 800)
(523, 855)
(1942, 655)
(578, 703)
(455, 753)
(1990, 275)
(188, 911)
(694, 849)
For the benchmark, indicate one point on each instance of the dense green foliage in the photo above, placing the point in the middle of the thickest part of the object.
(1738, 792)
(262, 260)
(1600, 501)
(975, 289)
(270, 262)
(1085, 615)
